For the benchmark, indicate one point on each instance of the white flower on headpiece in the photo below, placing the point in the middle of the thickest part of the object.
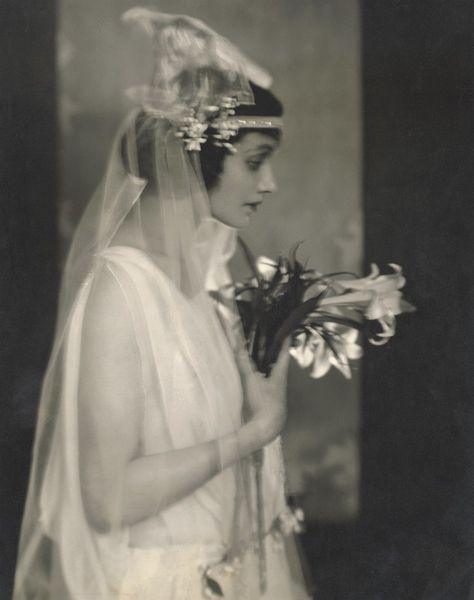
(193, 133)
(229, 103)
(226, 129)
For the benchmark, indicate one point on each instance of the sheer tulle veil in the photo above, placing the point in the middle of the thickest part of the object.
(62, 554)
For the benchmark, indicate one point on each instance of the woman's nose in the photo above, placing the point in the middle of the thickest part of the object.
(267, 183)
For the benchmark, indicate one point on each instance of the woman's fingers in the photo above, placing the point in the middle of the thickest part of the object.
(244, 362)
(280, 368)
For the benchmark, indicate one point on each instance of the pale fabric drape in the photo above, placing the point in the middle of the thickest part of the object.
(157, 339)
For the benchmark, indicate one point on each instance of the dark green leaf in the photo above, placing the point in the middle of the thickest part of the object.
(339, 273)
(329, 318)
(327, 338)
(287, 328)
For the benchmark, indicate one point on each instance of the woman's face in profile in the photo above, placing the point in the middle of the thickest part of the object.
(246, 179)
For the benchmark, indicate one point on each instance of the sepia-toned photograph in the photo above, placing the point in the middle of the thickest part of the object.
(236, 300)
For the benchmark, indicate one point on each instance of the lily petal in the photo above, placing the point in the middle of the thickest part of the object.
(354, 351)
(266, 267)
(321, 362)
(351, 336)
(382, 305)
(342, 366)
(303, 354)
(358, 298)
(395, 267)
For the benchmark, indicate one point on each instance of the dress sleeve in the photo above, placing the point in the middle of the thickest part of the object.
(110, 399)
(89, 429)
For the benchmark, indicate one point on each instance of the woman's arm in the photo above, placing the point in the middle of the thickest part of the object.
(118, 485)
(156, 481)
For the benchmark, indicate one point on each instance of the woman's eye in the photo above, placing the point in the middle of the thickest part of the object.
(254, 165)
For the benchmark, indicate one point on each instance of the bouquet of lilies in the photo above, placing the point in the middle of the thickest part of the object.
(326, 325)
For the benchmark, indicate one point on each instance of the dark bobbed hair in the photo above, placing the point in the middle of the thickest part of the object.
(211, 156)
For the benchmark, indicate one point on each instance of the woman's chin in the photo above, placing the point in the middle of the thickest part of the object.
(235, 221)
(242, 223)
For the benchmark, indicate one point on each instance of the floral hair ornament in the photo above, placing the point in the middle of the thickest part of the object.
(198, 79)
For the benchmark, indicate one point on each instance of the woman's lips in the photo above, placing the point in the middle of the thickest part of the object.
(253, 205)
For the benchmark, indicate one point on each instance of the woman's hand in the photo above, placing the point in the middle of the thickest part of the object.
(265, 404)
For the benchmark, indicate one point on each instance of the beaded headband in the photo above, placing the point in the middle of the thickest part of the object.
(223, 123)
(257, 122)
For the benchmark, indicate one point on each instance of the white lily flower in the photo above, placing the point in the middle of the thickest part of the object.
(378, 296)
(344, 340)
(376, 282)
(383, 291)
(316, 352)
(387, 323)
(268, 267)
(383, 304)
(321, 364)
(303, 353)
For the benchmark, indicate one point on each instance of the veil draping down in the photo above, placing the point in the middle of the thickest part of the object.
(136, 323)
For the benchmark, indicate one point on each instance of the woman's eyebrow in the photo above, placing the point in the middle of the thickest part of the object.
(262, 148)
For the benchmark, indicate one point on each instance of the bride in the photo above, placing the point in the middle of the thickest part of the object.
(151, 416)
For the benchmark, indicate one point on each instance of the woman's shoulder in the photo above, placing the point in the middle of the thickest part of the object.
(107, 308)
(135, 261)
(125, 281)
(125, 255)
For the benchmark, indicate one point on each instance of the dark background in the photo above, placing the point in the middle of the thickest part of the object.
(28, 242)
(415, 535)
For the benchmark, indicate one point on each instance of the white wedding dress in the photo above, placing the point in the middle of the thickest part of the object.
(191, 393)
(164, 557)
